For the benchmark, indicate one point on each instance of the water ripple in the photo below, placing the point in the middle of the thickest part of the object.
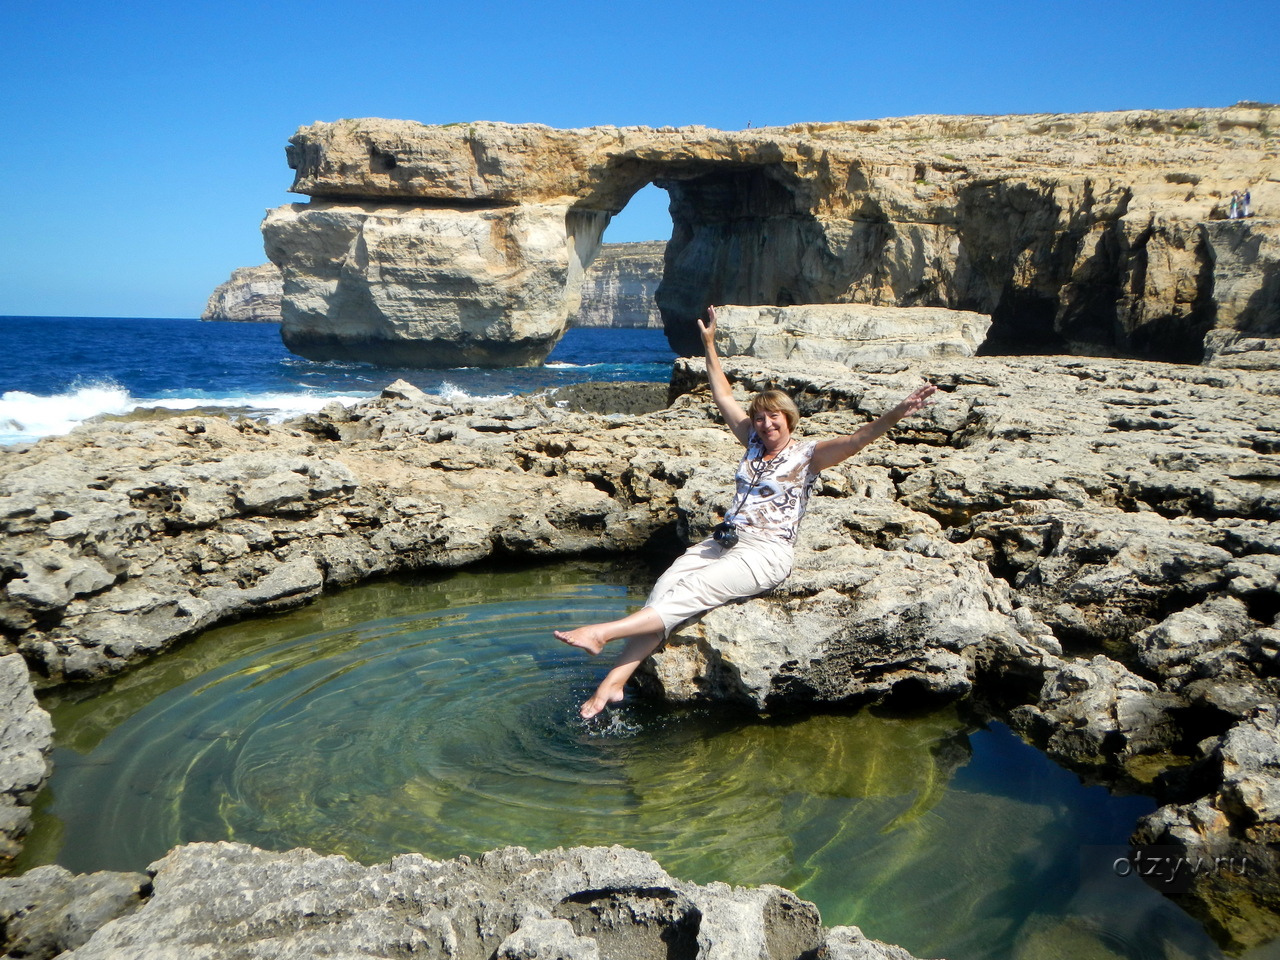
(442, 718)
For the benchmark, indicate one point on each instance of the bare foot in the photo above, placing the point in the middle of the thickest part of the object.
(598, 702)
(588, 638)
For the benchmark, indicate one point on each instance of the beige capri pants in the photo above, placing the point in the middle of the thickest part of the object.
(708, 575)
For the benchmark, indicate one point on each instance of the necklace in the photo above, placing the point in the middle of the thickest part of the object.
(761, 461)
(758, 469)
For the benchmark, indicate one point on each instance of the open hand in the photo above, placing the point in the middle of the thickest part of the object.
(918, 399)
(707, 330)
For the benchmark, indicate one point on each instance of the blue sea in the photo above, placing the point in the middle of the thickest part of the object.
(57, 372)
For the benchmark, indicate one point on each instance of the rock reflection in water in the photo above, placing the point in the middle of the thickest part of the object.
(440, 717)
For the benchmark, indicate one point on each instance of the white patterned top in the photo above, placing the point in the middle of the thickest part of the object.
(772, 496)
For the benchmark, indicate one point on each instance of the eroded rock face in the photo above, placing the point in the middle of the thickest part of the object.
(619, 286)
(402, 285)
(1091, 233)
(250, 295)
(618, 290)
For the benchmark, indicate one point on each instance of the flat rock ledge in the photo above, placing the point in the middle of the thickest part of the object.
(1087, 549)
(219, 900)
(852, 334)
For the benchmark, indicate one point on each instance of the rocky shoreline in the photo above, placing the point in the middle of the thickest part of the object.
(1085, 548)
(215, 900)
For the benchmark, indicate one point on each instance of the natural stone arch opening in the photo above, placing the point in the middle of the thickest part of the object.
(645, 219)
(619, 284)
(740, 233)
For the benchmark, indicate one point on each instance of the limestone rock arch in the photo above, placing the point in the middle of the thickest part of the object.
(466, 243)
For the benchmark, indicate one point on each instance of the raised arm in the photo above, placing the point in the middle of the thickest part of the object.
(830, 452)
(736, 417)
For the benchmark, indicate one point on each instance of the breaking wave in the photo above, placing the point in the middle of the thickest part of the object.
(25, 417)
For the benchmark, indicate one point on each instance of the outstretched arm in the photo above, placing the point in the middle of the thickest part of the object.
(737, 419)
(830, 452)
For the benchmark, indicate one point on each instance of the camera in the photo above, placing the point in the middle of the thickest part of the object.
(725, 534)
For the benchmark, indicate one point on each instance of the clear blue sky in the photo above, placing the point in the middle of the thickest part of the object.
(142, 141)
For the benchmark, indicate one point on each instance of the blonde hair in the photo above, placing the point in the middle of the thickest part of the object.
(775, 401)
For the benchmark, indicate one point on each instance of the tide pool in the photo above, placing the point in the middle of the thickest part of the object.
(439, 716)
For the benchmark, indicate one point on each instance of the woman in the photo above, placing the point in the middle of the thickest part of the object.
(752, 551)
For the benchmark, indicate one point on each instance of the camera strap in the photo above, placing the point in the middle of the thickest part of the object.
(759, 471)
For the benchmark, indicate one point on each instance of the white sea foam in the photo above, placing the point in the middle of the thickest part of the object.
(450, 393)
(279, 406)
(27, 416)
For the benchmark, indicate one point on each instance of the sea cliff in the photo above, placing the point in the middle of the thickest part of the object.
(619, 286)
(1104, 233)
(249, 295)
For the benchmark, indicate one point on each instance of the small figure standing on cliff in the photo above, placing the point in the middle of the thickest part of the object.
(752, 551)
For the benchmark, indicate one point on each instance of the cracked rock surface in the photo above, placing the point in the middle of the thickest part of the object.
(225, 900)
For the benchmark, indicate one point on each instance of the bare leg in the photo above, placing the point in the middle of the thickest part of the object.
(610, 689)
(593, 637)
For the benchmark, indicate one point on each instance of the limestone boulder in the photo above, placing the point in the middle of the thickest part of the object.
(850, 334)
(1205, 646)
(215, 900)
(1096, 714)
(1224, 348)
(48, 911)
(880, 606)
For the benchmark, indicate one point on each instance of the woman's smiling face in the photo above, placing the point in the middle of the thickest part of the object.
(772, 428)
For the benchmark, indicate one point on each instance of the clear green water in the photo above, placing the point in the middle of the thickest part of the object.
(440, 717)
